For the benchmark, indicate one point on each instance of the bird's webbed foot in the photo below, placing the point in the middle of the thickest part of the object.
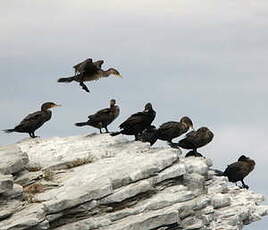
(84, 87)
(32, 135)
(106, 130)
(244, 185)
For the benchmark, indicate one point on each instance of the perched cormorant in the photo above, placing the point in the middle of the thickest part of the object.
(195, 140)
(137, 122)
(237, 171)
(34, 120)
(89, 71)
(173, 129)
(148, 135)
(102, 118)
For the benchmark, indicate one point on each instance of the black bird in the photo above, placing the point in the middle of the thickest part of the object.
(89, 71)
(148, 135)
(137, 122)
(86, 66)
(173, 129)
(195, 140)
(237, 171)
(34, 120)
(102, 118)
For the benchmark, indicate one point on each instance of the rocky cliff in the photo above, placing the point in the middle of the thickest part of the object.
(100, 182)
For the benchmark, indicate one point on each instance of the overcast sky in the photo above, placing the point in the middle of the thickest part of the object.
(206, 59)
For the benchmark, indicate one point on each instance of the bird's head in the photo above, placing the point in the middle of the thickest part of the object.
(148, 107)
(114, 72)
(187, 121)
(248, 160)
(48, 105)
(203, 129)
(112, 102)
(243, 158)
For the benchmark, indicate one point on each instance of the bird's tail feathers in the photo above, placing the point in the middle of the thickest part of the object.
(9, 130)
(66, 79)
(81, 124)
(91, 117)
(218, 172)
(174, 145)
(115, 133)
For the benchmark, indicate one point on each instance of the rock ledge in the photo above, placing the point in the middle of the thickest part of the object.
(100, 182)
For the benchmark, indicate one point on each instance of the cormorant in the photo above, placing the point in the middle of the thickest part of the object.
(34, 120)
(195, 140)
(80, 67)
(148, 135)
(173, 129)
(102, 118)
(86, 66)
(137, 122)
(89, 71)
(237, 171)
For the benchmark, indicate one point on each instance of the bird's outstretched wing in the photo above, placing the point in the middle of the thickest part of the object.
(98, 63)
(77, 66)
(86, 67)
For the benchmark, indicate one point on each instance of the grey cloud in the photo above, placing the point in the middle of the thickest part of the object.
(203, 59)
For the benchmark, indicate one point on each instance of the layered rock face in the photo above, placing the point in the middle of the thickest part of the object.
(110, 183)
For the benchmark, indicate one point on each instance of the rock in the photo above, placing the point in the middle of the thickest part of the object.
(127, 192)
(13, 159)
(174, 171)
(220, 200)
(25, 218)
(192, 223)
(149, 220)
(109, 183)
(6, 183)
(15, 193)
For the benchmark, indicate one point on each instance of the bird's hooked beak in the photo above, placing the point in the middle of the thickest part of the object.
(56, 105)
(119, 75)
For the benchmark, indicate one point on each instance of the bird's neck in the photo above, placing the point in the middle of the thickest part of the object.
(106, 73)
(46, 111)
(113, 107)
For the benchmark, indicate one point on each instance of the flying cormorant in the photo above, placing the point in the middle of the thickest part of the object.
(237, 171)
(195, 140)
(148, 135)
(173, 129)
(86, 66)
(102, 118)
(89, 71)
(137, 122)
(34, 120)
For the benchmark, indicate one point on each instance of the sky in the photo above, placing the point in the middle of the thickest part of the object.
(204, 59)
